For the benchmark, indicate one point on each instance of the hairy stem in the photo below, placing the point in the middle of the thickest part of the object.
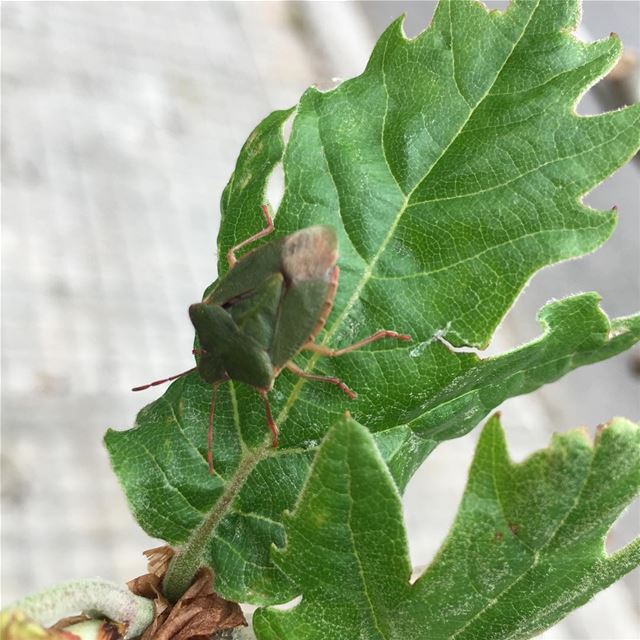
(186, 562)
(95, 597)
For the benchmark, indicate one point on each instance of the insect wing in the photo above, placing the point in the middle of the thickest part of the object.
(309, 254)
(308, 262)
(255, 314)
(302, 305)
(248, 273)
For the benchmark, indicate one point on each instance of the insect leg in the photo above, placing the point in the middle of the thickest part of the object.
(157, 382)
(331, 380)
(270, 421)
(231, 254)
(326, 351)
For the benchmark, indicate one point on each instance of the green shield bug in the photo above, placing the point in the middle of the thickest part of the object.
(270, 305)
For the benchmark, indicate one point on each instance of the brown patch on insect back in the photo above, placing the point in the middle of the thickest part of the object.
(328, 303)
(309, 254)
(514, 528)
(499, 536)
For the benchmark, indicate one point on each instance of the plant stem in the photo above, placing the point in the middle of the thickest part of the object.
(186, 562)
(95, 597)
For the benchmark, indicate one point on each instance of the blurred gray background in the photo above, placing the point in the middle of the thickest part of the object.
(121, 123)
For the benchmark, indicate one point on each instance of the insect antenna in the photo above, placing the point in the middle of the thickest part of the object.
(157, 382)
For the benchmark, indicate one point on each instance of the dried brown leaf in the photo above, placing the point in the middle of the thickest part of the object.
(197, 615)
(158, 559)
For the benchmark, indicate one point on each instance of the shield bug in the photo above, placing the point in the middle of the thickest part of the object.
(270, 305)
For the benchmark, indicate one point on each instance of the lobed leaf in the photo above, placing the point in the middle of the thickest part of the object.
(526, 547)
(452, 170)
(162, 465)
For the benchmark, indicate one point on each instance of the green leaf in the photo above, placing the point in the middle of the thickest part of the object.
(161, 463)
(526, 547)
(528, 543)
(346, 546)
(452, 170)
(576, 333)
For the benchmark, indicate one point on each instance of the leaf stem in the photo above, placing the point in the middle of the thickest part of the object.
(186, 562)
(95, 597)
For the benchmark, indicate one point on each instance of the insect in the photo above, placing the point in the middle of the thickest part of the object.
(271, 304)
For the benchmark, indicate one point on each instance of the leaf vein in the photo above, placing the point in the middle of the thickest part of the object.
(471, 194)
